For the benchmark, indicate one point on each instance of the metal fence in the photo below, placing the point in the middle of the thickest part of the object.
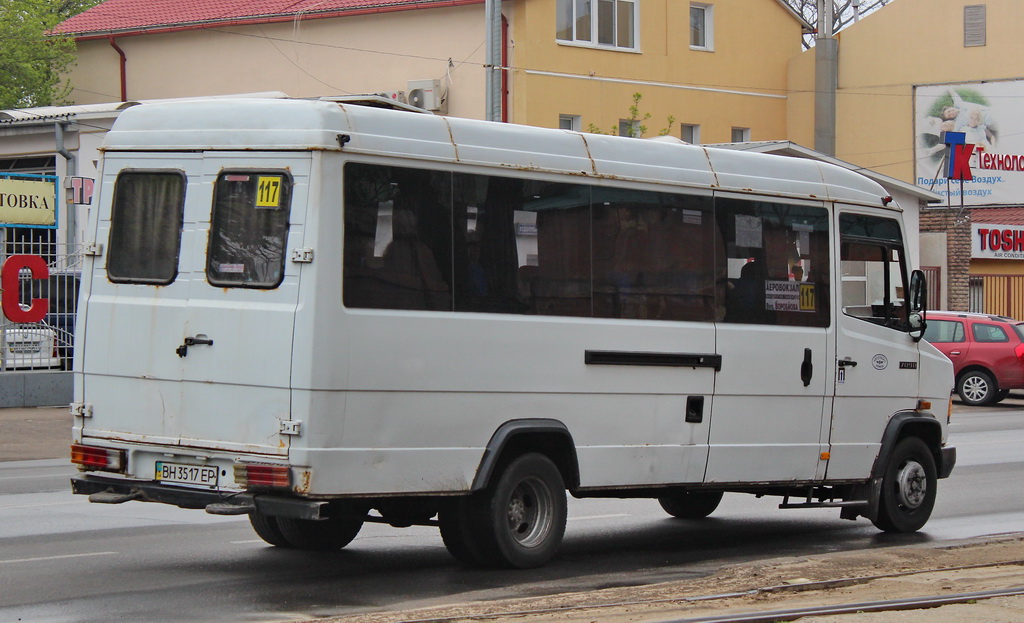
(48, 344)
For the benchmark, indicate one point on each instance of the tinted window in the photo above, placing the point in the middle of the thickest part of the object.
(398, 232)
(653, 255)
(249, 229)
(988, 333)
(145, 227)
(944, 331)
(777, 262)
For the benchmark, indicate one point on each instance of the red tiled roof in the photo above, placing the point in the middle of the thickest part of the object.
(999, 216)
(121, 17)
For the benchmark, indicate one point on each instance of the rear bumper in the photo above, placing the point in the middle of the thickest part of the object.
(104, 489)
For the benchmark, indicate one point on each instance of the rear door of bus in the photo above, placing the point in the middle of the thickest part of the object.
(190, 316)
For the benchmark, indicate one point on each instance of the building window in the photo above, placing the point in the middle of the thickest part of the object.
(740, 135)
(630, 128)
(701, 27)
(690, 133)
(974, 25)
(598, 23)
(569, 122)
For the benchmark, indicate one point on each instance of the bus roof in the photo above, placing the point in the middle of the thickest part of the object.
(295, 124)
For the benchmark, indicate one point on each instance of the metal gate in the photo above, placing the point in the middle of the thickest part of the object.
(1000, 295)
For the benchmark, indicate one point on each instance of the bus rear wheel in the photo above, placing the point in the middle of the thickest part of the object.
(517, 522)
(691, 504)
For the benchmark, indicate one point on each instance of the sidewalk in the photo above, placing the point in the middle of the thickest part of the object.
(28, 433)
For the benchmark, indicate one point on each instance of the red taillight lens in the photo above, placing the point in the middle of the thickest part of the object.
(253, 475)
(1019, 351)
(97, 458)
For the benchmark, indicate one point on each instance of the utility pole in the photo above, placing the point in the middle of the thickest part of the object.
(492, 8)
(826, 80)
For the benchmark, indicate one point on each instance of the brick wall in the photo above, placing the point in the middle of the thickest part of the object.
(958, 251)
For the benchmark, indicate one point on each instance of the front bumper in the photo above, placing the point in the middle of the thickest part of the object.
(948, 461)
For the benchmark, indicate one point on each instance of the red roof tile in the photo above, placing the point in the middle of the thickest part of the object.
(137, 16)
(1000, 216)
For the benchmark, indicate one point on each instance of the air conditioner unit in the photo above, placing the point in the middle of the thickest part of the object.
(394, 96)
(427, 94)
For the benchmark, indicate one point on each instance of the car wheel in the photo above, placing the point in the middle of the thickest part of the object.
(1001, 395)
(976, 388)
(908, 488)
(691, 504)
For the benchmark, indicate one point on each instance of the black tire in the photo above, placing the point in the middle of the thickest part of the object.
(691, 504)
(327, 535)
(458, 537)
(1001, 395)
(519, 521)
(908, 488)
(976, 388)
(267, 528)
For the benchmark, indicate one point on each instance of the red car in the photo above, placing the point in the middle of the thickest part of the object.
(987, 353)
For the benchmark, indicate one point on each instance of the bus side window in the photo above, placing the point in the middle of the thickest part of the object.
(873, 270)
(397, 238)
(777, 262)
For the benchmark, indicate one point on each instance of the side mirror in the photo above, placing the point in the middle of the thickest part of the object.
(917, 313)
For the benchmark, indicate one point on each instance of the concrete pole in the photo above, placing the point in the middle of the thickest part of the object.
(826, 81)
(492, 8)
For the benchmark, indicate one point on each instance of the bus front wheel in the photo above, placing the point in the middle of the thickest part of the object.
(908, 488)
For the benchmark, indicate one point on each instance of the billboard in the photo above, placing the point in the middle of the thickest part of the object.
(989, 116)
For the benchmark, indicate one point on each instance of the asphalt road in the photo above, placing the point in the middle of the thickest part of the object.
(63, 559)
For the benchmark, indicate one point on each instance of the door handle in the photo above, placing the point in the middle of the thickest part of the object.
(955, 352)
(807, 368)
(847, 363)
(199, 340)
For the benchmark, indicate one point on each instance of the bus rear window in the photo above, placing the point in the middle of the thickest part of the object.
(145, 228)
(249, 229)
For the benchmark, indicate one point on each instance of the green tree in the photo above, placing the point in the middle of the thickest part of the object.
(633, 126)
(34, 60)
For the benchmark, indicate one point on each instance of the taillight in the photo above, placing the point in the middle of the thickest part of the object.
(258, 475)
(91, 457)
(1019, 351)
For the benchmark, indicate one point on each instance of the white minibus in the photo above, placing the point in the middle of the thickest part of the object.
(320, 314)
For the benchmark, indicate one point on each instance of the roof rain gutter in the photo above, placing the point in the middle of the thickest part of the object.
(124, 62)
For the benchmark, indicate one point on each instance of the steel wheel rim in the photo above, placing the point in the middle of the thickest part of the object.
(975, 388)
(912, 485)
(530, 512)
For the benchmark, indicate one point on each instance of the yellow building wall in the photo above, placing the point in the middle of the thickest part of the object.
(312, 58)
(742, 83)
(882, 57)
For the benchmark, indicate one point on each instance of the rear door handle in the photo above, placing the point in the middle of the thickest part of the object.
(847, 363)
(198, 340)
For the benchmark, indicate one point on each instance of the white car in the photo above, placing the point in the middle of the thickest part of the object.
(29, 346)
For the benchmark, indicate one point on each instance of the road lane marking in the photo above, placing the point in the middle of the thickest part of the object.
(63, 557)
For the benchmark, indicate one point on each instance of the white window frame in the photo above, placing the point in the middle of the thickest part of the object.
(570, 122)
(694, 129)
(708, 25)
(590, 39)
(744, 134)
